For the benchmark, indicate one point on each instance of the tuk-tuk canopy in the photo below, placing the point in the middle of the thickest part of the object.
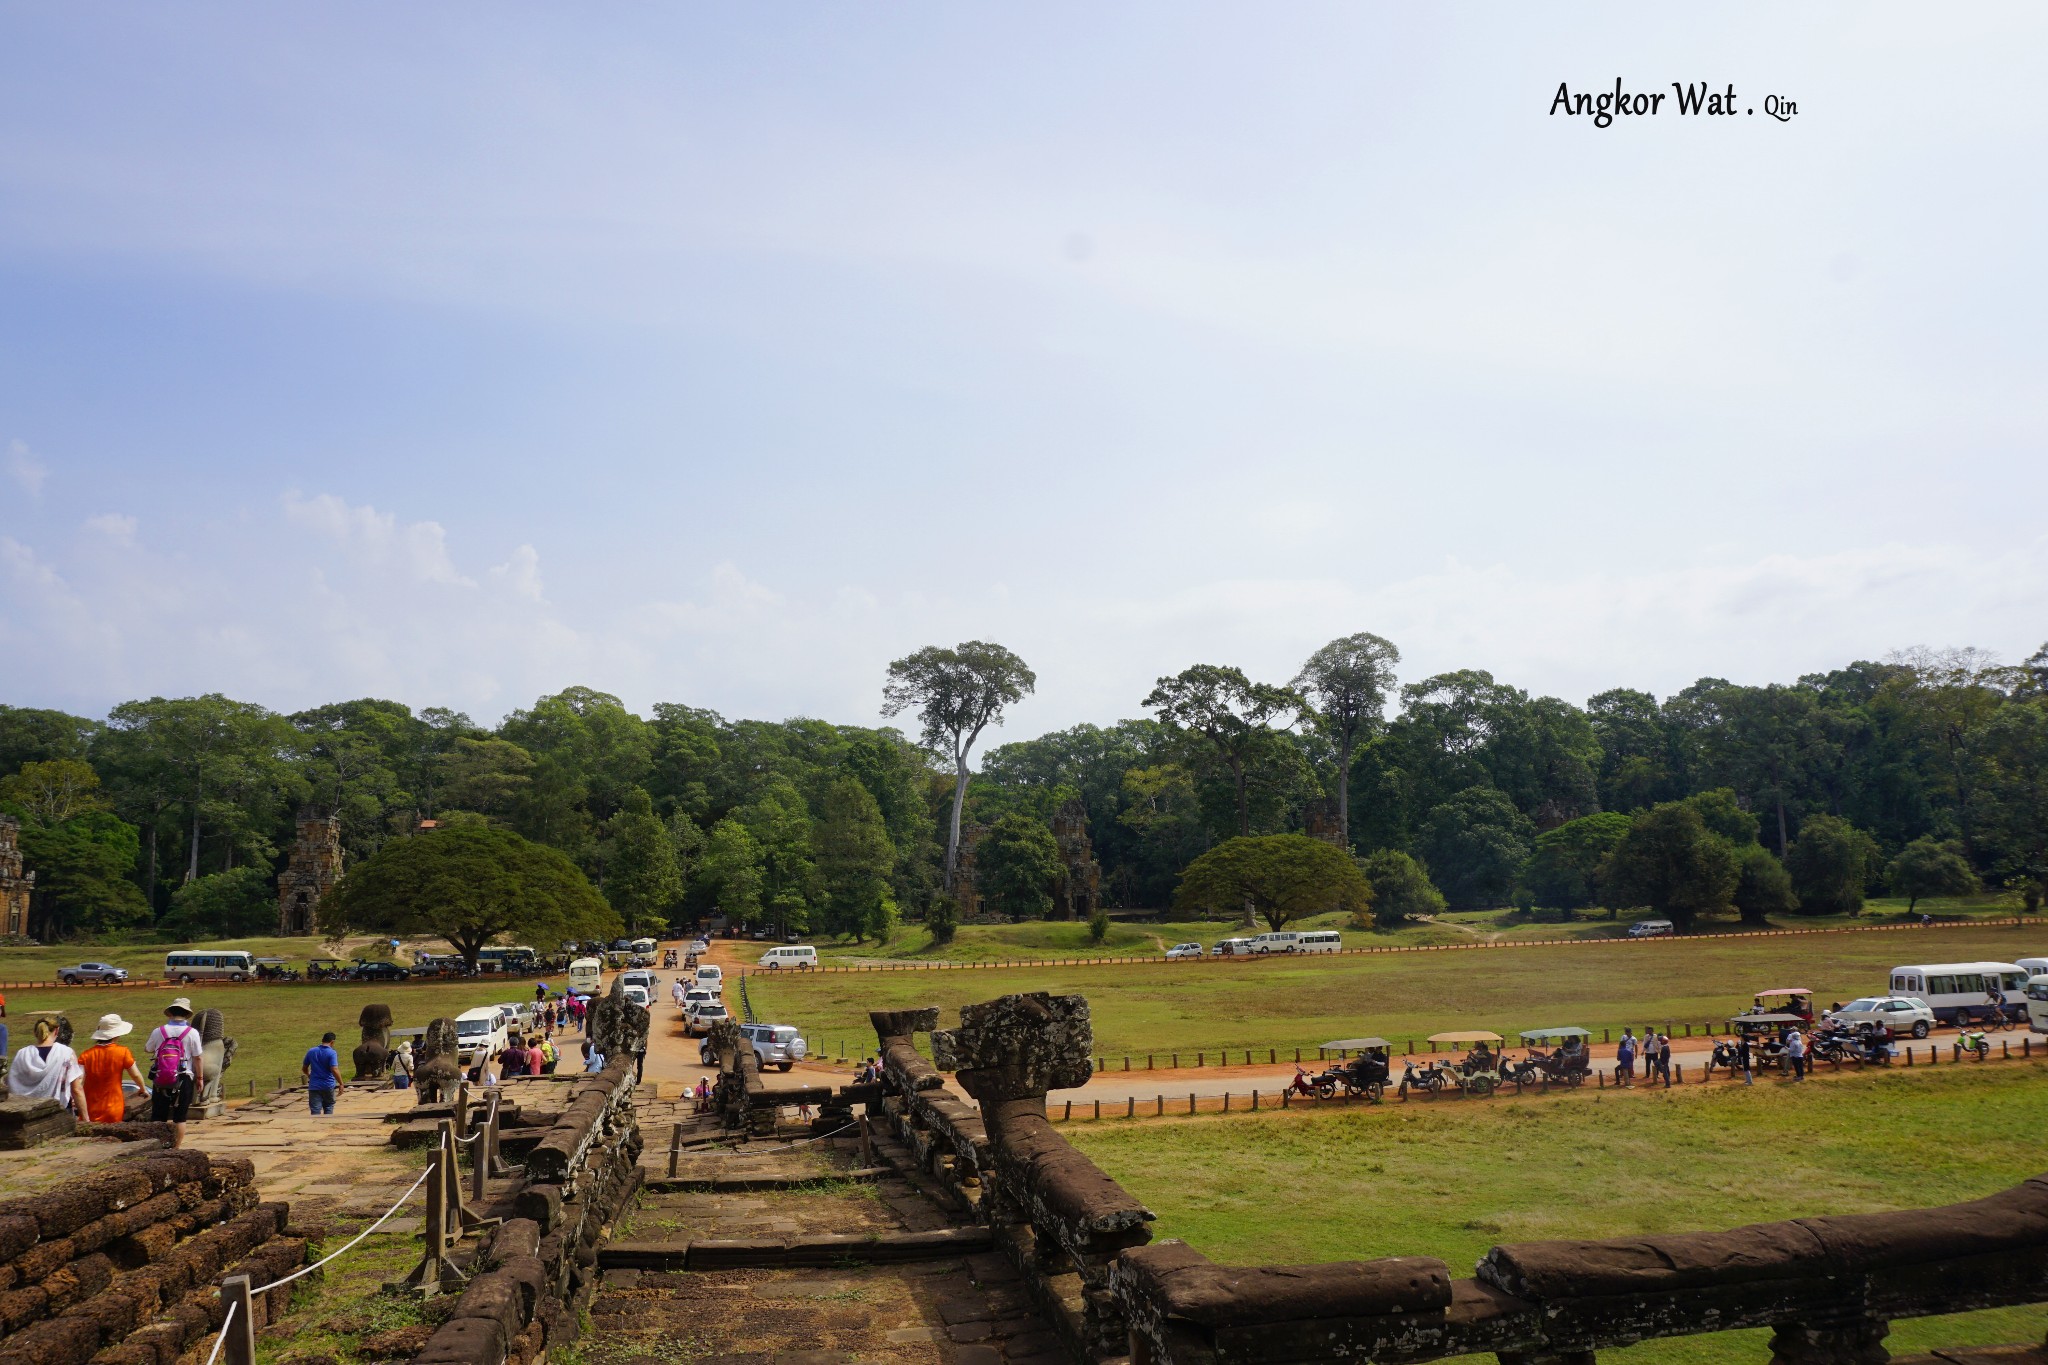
(1785, 990)
(1529, 1034)
(1480, 1036)
(1356, 1044)
(1767, 1019)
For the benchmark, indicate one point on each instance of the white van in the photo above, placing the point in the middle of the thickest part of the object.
(1233, 947)
(1956, 989)
(801, 955)
(1320, 941)
(645, 945)
(480, 1032)
(712, 978)
(1284, 941)
(186, 968)
(1652, 928)
(586, 974)
(2037, 1004)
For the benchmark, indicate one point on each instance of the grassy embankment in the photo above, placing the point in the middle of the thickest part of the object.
(1300, 1002)
(1035, 940)
(1452, 1180)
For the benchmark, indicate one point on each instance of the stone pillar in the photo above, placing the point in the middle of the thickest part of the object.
(1858, 1343)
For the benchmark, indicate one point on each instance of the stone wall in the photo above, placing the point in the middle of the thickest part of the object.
(122, 1267)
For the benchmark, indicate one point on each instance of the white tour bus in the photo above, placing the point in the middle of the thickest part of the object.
(790, 955)
(645, 945)
(517, 958)
(1952, 989)
(1284, 941)
(2037, 1003)
(190, 967)
(1319, 941)
(586, 974)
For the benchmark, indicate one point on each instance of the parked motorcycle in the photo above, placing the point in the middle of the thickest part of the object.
(1972, 1040)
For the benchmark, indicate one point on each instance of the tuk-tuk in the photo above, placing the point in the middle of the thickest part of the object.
(1764, 1031)
(327, 969)
(275, 969)
(1478, 1072)
(1785, 1000)
(1569, 1061)
(1366, 1074)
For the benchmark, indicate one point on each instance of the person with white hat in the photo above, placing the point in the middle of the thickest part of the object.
(176, 1070)
(106, 1063)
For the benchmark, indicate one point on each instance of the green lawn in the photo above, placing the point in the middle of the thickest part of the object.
(42, 962)
(272, 1025)
(1452, 1180)
(1039, 940)
(1300, 1002)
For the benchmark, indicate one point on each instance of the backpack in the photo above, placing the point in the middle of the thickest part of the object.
(170, 1056)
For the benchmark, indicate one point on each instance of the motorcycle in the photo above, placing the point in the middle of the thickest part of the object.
(1973, 1040)
(1430, 1078)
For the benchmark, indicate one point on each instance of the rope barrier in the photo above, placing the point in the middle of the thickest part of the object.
(787, 1146)
(344, 1249)
(218, 1341)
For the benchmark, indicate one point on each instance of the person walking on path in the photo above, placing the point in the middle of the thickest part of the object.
(1795, 1052)
(1625, 1059)
(105, 1063)
(401, 1066)
(321, 1071)
(1743, 1060)
(48, 1070)
(1664, 1058)
(176, 1068)
(512, 1061)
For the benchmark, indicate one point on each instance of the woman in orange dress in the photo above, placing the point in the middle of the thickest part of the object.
(105, 1063)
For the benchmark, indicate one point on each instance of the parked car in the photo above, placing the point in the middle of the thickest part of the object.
(639, 977)
(697, 995)
(711, 977)
(1234, 947)
(1185, 950)
(637, 995)
(699, 1017)
(799, 955)
(1652, 928)
(1902, 1014)
(91, 971)
(378, 971)
(777, 1045)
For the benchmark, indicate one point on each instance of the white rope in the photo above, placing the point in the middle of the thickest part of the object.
(472, 1137)
(214, 1354)
(763, 1151)
(307, 1270)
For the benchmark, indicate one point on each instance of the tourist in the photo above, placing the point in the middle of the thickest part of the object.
(703, 1094)
(676, 993)
(550, 1055)
(540, 990)
(48, 1071)
(512, 1061)
(593, 1060)
(320, 1069)
(401, 1066)
(105, 1064)
(536, 1056)
(1795, 1052)
(1625, 1059)
(176, 1070)
(1743, 1059)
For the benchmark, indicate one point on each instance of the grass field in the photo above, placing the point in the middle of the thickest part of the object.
(1300, 1002)
(42, 962)
(1452, 1180)
(1035, 940)
(272, 1025)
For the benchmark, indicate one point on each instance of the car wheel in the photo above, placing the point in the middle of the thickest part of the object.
(184, 981)
(784, 1066)
(238, 977)
(70, 980)
(1920, 1028)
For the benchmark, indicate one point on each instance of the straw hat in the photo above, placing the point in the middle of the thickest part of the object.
(182, 1005)
(111, 1026)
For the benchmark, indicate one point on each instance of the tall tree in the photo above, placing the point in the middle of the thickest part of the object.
(1930, 867)
(82, 867)
(1564, 869)
(1230, 714)
(1346, 683)
(1671, 862)
(29, 735)
(855, 860)
(1015, 865)
(1281, 877)
(780, 822)
(51, 793)
(1401, 889)
(644, 880)
(958, 693)
(731, 870)
(1830, 861)
(1474, 844)
(468, 884)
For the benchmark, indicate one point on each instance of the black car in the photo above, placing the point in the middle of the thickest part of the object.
(379, 971)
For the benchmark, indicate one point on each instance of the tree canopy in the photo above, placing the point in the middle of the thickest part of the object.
(469, 884)
(957, 693)
(1282, 877)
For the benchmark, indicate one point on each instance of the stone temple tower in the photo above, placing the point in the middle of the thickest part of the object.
(14, 887)
(314, 868)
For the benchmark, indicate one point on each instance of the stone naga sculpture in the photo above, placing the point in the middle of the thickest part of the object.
(217, 1050)
(373, 1054)
(437, 1064)
(618, 1027)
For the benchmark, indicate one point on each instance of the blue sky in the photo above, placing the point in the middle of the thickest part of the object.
(721, 356)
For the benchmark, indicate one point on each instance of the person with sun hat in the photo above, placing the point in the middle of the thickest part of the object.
(106, 1063)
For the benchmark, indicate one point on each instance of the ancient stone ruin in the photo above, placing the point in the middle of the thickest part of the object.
(618, 1027)
(372, 1055)
(1078, 888)
(437, 1063)
(16, 887)
(314, 868)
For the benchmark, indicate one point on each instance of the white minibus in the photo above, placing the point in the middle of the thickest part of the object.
(1956, 989)
(2037, 1004)
(645, 945)
(1283, 941)
(514, 959)
(1319, 941)
(189, 967)
(586, 974)
(792, 955)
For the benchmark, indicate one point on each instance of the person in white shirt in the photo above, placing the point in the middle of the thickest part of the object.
(48, 1070)
(176, 1069)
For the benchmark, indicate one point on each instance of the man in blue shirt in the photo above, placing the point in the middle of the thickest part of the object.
(321, 1072)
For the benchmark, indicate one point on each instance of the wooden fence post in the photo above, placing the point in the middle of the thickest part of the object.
(240, 1346)
(675, 1149)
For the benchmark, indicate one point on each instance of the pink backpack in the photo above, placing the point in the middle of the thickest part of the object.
(170, 1056)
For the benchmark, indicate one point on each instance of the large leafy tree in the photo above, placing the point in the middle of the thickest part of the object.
(1564, 869)
(1015, 866)
(1671, 862)
(1762, 886)
(781, 824)
(237, 903)
(468, 884)
(644, 878)
(731, 871)
(1635, 749)
(1474, 845)
(30, 735)
(1230, 716)
(1830, 862)
(1345, 684)
(957, 693)
(52, 792)
(1280, 877)
(1930, 867)
(1401, 889)
(82, 868)
(854, 862)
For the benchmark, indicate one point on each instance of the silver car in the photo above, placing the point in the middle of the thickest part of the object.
(91, 971)
(1902, 1014)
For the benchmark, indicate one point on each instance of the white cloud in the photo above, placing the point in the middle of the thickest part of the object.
(24, 468)
(416, 550)
(115, 526)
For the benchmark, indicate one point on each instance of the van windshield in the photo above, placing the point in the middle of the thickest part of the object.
(472, 1026)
